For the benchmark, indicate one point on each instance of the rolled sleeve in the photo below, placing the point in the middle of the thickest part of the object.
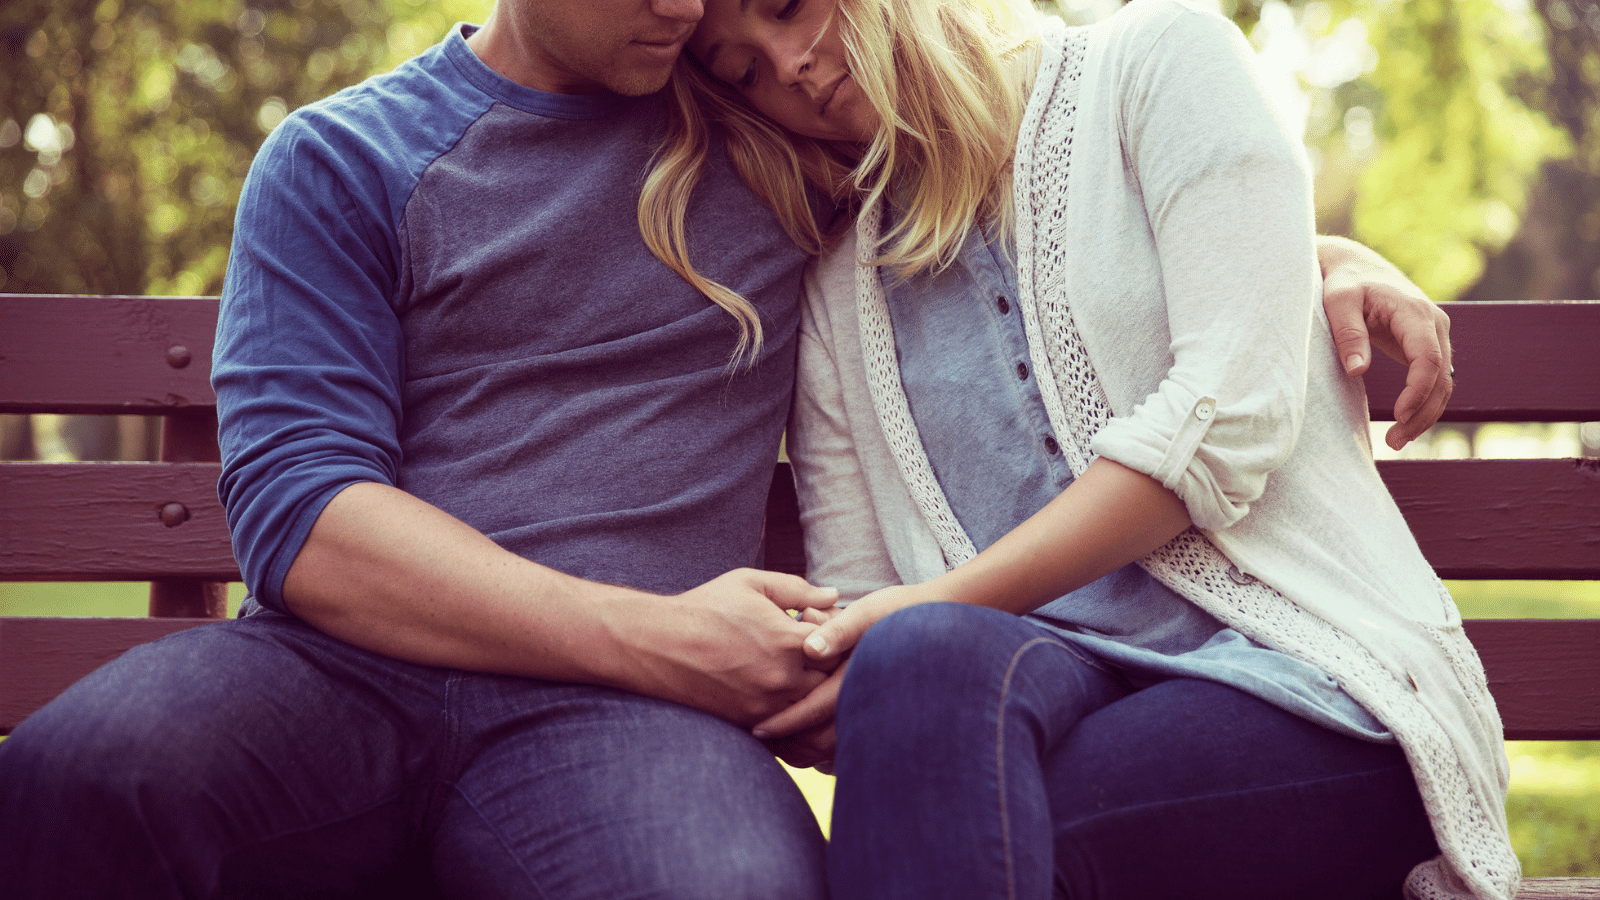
(308, 356)
(1227, 194)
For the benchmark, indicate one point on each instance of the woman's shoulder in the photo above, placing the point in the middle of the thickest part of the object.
(1144, 27)
(830, 283)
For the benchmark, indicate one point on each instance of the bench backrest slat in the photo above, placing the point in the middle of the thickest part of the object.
(41, 657)
(1502, 518)
(1544, 675)
(105, 522)
(98, 521)
(106, 355)
(1515, 362)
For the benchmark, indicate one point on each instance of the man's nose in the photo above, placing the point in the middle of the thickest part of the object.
(689, 11)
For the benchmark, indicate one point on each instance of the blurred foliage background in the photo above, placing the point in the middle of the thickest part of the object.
(1457, 137)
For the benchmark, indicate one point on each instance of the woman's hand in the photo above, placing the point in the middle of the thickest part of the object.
(839, 634)
(803, 734)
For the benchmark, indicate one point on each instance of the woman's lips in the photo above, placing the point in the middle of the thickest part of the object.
(833, 94)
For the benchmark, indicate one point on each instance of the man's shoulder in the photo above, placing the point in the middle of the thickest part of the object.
(422, 102)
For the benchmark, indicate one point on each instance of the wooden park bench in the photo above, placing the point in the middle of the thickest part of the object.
(161, 521)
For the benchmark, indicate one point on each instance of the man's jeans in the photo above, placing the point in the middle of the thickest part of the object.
(260, 757)
(981, 757)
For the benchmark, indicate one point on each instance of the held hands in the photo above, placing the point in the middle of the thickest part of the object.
(803, 734)
(735, 650)
(1368, 300)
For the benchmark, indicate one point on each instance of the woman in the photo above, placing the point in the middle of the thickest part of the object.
(1068, 370)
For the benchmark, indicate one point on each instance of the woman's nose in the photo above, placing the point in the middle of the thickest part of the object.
(793, 64)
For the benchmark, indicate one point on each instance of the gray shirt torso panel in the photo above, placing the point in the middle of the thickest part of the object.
(564, 391)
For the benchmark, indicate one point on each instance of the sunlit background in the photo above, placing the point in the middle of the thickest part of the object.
(1458, 137)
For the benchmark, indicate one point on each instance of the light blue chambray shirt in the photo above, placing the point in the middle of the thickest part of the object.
(968, 378)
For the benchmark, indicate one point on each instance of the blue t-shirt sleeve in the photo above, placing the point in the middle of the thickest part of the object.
(309, 351)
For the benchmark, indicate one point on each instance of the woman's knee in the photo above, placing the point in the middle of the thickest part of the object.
(916, 644)
(944, 648)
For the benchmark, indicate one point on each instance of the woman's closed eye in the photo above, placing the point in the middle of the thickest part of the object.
(747, 78)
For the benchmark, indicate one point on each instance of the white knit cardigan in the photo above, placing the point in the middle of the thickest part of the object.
(1165, 261)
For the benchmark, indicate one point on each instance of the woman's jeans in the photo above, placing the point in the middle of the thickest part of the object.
(981, 757)
(262, 758)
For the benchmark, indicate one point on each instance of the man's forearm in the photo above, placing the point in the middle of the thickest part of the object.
(390, 573)
(1334, 251)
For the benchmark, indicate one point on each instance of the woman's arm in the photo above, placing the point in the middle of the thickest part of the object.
(1108, 517)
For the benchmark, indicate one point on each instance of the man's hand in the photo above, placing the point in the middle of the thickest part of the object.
(730, 647)
(803, 734)
(1369, 301)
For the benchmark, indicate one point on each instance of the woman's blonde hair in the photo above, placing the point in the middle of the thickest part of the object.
(948, 78)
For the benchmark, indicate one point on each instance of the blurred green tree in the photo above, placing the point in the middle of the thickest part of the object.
(1434, 124)
(126, 128)
(1555, 254)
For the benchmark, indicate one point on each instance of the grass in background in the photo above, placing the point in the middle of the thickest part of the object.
(94, 598)
(1554, 806)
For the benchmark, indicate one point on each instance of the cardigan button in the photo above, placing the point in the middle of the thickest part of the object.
(1205, 409)
(1238, 576)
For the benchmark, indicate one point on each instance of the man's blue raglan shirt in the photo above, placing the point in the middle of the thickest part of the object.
(437, 283)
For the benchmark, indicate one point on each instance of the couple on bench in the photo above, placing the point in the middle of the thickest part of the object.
(1105, 597)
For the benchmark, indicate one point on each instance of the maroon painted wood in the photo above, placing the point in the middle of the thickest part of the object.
(1514, 362)
(105, 355)
(1544, 675)
(782, 546)
(1502, 518)
(112, 522)
(41, 657)
(189, 436)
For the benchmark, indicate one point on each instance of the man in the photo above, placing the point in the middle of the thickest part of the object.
(489, 478)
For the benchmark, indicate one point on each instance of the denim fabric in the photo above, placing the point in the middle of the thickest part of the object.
(262, 758)
(968, 378)
(981, 756)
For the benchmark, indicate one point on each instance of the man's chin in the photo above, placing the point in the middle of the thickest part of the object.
(639, 83)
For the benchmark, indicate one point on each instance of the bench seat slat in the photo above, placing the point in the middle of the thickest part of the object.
(102, 522)
(1502, 518)
(1515, 362)
(1559, 889)
(46, 340)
